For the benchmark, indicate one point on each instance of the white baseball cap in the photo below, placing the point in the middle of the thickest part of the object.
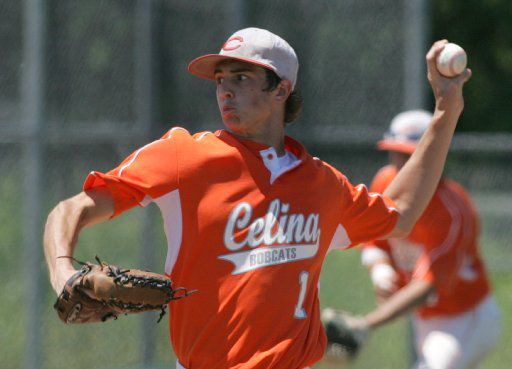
(405, 131)
(252, 45)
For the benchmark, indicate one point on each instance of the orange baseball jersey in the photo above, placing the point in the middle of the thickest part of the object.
(442, 248)
(251, 237)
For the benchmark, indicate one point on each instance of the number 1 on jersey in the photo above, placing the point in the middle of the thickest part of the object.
(300, 313)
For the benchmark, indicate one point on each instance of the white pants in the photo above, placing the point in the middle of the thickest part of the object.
(460, 342)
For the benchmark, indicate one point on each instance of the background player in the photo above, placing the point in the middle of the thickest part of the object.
(249, 215)
(437, 269)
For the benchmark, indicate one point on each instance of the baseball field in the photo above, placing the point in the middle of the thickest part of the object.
(84, 83)
(124, 343)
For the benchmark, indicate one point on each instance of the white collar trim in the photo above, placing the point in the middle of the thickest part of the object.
(278, 165)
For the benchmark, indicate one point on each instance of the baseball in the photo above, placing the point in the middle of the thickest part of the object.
(452, 60)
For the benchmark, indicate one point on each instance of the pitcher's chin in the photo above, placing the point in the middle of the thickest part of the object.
(233, 122)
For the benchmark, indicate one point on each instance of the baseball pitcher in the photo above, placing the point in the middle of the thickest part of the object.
(249, 214)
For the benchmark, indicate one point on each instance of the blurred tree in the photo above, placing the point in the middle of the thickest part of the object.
(90, 60)
(90, 57)
(484, 29)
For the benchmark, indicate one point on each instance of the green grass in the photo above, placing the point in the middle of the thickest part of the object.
(502, 356)
(344, 284)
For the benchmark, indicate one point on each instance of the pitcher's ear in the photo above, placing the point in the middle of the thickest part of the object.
(284, 89)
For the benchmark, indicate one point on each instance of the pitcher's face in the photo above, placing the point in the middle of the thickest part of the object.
(243, 104)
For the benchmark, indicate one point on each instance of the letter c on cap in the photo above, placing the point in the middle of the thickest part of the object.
(233, 43)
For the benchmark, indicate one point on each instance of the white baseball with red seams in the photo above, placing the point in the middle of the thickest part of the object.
(452, 60)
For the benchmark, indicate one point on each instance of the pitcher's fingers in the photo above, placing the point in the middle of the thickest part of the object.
(465, 76)
(436, 48)
(432, 55)
(462, 78)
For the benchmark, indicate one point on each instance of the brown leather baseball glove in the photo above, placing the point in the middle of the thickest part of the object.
(99, 292)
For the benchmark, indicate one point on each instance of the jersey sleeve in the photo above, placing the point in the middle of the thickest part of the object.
(146, 174)
(366, 215)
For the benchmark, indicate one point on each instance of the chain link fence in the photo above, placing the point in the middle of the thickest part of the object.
(84, 83)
